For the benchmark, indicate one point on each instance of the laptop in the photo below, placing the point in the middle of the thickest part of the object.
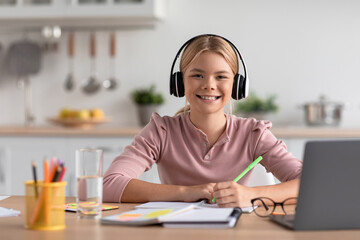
(329, 194)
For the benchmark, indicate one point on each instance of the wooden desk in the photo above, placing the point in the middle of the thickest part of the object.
(249, 227)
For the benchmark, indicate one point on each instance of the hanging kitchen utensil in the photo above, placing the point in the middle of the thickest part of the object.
(92, 85)
(70, 81)
(25, 59)
(2, 58)
(51, 36)
(111, 83)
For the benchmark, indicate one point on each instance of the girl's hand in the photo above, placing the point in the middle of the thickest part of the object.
(198, 192)
(231, 194)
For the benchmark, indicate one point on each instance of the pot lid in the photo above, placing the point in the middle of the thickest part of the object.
(323, 101)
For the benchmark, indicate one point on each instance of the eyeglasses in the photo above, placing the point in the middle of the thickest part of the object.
(264, 206)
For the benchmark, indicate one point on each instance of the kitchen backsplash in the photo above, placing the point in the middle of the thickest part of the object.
(296, 58)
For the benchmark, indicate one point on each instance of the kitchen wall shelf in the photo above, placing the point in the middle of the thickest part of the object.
(27, 14)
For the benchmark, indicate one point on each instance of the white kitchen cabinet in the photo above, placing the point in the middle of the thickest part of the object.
(80, 13)
(17, 153)
(21, 151)
(4, 174)
(297, 145)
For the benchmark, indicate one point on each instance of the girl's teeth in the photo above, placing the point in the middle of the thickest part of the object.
(208, 98)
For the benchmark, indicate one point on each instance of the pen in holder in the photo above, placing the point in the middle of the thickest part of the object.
(45, 210)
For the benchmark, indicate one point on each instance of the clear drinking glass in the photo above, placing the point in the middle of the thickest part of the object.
(89, 174)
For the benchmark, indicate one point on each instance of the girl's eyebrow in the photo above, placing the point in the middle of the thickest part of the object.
(202, 71)
(197, 70)
(222, 72)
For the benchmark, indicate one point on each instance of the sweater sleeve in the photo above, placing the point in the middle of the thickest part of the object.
(138, 157)
(276, 159)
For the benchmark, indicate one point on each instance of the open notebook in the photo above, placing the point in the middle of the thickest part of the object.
(148, 216)
(198, 205)
(177, 215)
(205, 218)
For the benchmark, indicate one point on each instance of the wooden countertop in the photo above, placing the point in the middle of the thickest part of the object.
(315, 132)
(249, 227)
(115, 131)
(69, 131)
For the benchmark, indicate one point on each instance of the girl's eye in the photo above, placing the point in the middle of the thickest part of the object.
(221, 77)
(197, 76)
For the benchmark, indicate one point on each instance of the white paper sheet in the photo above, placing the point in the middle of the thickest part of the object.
(3, 197)
(6, 212)
(201, 204)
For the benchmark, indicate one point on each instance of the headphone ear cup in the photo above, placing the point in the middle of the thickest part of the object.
(180, 85)
(240, 87)
(236, 93)
(172, 84)
(245, 87)
(176, 85)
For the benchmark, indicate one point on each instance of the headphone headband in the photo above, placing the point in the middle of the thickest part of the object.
(240, 85)
(210, 35)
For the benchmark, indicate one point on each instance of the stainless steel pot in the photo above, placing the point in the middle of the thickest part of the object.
(323, 113)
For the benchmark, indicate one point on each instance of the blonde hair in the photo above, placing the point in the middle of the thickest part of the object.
(207, 43)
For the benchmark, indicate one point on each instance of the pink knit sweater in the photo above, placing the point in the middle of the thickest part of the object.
(183, 156)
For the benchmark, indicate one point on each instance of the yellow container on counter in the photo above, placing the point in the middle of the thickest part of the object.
(44, 205)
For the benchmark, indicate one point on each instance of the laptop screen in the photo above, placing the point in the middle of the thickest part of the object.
(329, 195)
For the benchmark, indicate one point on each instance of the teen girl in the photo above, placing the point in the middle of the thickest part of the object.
(201, 149)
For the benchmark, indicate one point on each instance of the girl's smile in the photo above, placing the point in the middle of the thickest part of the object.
(209, 98)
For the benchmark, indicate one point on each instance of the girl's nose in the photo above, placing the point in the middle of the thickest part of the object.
(209, 83)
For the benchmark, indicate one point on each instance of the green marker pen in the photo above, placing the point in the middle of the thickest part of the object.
(251, 166)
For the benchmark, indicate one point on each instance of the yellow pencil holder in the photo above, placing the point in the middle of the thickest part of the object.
(44, 205)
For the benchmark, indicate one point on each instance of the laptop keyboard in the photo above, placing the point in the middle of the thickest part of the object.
(289, 218)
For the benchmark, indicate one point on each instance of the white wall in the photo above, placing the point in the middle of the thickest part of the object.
(295, 49)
